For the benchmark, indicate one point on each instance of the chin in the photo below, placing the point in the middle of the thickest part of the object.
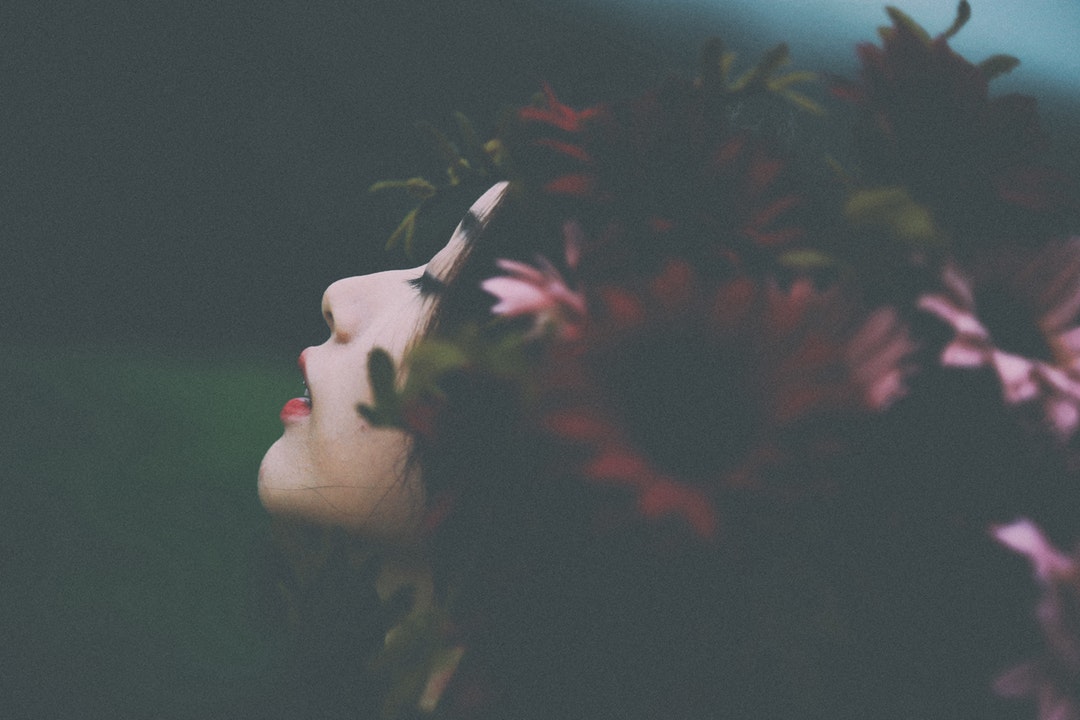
(278, 488)
(388, 511)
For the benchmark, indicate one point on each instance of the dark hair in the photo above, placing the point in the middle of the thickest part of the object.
(861, 586)
(515, 230)
(561, 621)
(519, 227)
(835, 618)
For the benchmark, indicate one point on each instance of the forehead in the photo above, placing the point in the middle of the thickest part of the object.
(477, 215)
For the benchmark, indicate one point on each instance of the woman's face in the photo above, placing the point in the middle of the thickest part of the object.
(330, 466)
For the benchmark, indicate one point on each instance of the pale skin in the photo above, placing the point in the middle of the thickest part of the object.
(329, 466)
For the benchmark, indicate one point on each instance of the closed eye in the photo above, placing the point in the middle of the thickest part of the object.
(427, 284)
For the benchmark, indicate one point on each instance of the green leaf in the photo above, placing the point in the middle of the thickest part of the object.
(474, 149)
(506, 358)
(759, 75)
(806, 260)
(901, 19)
(727, 61)
(443, 144)
(406, 660)
(775, 58)
(803, 102)
(963, 14)
(382, 374)
(406, 229)
(418, 187)
(371, 414)
(892, 209)
(782, 82)
(496, 153)
(839, 170)
(382, 377)
(444, 660)
(387, 185)
(428, 362)
(997, 65)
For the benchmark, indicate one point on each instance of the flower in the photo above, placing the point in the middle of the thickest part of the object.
(541, 291)
(712, 369)
(1053, 680)
(1018, 317)
(557, 114)
(686, 390)
(549, 146)
(687, 183)
(928, 123)
(1026, 538)
(660, 175)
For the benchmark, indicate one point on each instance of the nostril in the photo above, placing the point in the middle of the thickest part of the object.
(326, 307)
(339, 332)
(343, 306)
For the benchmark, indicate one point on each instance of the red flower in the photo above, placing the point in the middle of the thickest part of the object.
(683, 391)
(929, 124)
(659, 176)
(676, 180)
(549, 146)
(558, 115)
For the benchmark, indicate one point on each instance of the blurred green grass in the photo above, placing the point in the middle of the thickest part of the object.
(132, 579)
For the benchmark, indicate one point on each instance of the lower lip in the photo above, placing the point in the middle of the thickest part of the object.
(295, 409)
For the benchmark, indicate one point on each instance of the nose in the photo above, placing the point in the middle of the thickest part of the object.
(343, 306)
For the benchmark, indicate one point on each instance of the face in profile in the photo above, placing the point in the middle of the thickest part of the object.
(330, 466)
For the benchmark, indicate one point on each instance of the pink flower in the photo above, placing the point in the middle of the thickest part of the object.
(1053, 679)
(1019, 318)
(877, 358)
(1026, 538)
(541, 291)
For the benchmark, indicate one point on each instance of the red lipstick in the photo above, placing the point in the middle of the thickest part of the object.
(295, 409)
(298, 408)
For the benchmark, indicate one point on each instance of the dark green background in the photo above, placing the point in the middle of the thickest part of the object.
(178, 183)
(181, 175)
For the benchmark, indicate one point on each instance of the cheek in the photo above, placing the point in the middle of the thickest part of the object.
(337, 445)
(367, 478)
(362, 471)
